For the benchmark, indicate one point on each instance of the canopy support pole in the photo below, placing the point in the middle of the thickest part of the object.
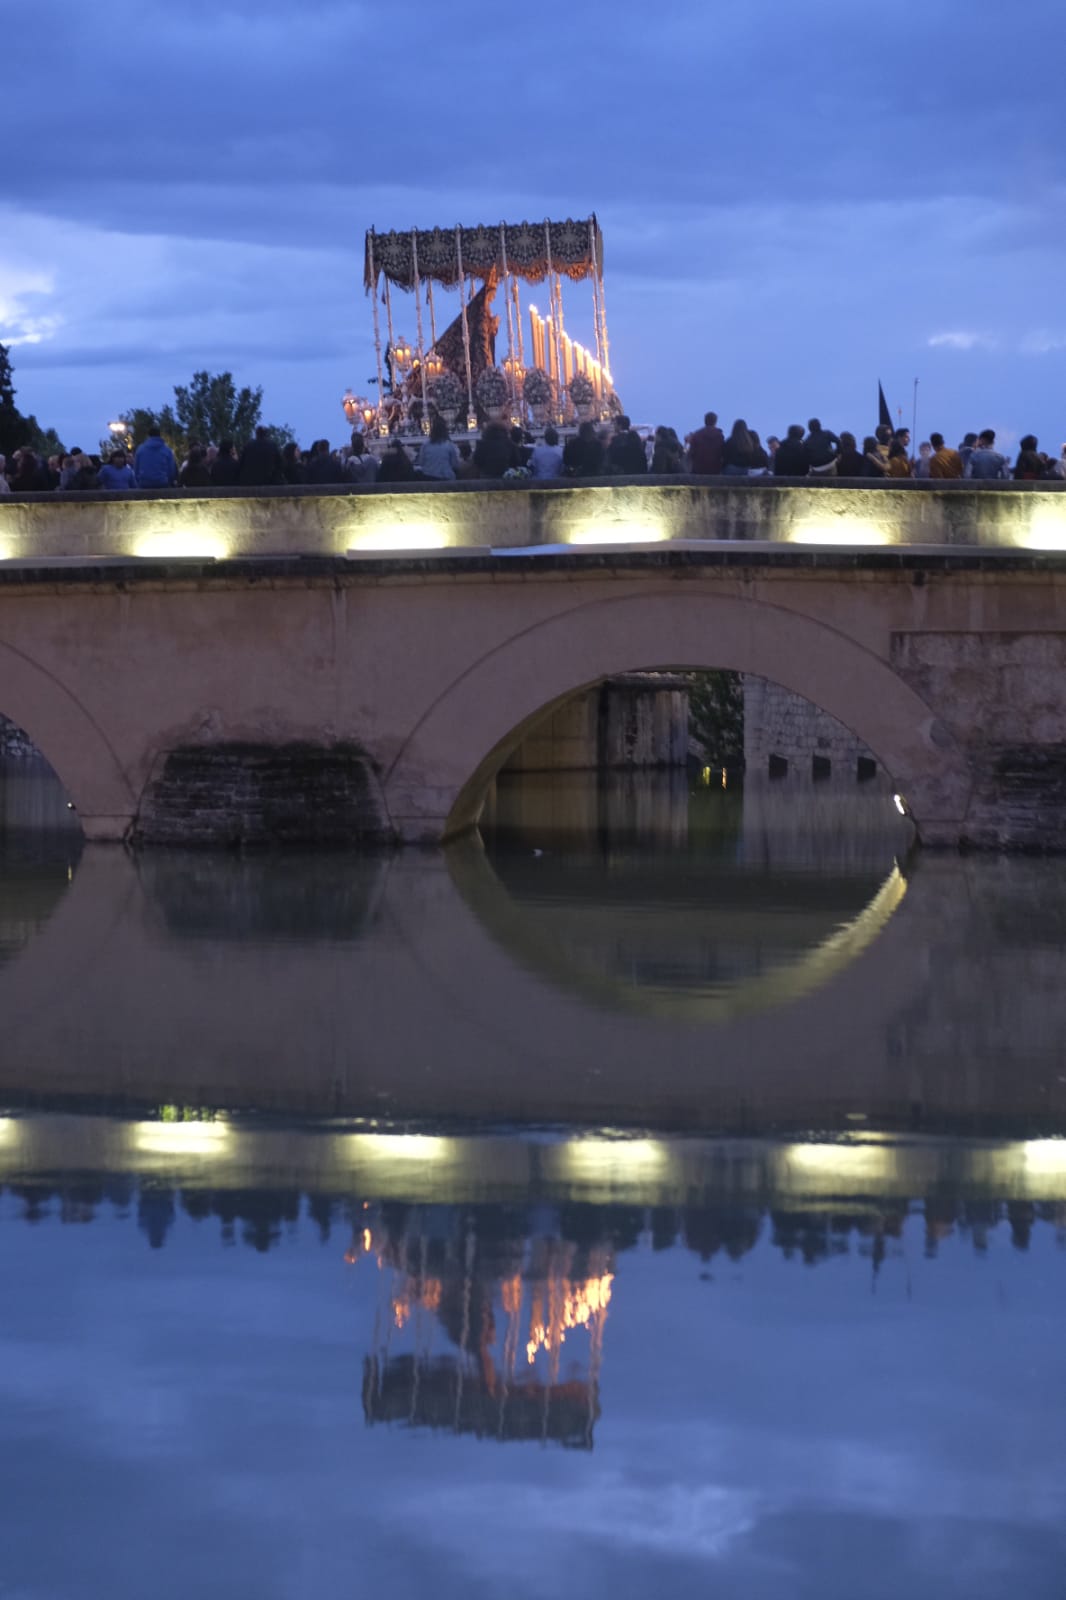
(466, 326)
(377, 328)
(418, 316)
(510, 323)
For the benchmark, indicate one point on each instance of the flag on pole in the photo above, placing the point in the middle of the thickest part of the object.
(884, 415)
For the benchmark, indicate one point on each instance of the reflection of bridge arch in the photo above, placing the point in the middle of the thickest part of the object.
(483, 715)
(432, 1012)
(508, 922)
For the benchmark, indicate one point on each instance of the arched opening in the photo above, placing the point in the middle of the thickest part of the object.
(437, 783)
(40, 840)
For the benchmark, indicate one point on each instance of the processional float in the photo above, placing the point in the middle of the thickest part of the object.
(456, 374)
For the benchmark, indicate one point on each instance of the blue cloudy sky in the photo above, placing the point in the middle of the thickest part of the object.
(795, 200)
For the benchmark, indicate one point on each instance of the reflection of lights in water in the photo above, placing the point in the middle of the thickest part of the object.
(180, 1138)
(843, 1162)
(398, 1147)
(616, 1159)
(1045, 1157)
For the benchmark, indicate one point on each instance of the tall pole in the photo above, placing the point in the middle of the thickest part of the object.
(432, 312)
(392, 340)
(510, 321)
(377, 328)
(418, 315)
(914, 421)
(466, 328)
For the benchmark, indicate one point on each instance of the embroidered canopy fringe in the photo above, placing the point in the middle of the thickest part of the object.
(522, 249)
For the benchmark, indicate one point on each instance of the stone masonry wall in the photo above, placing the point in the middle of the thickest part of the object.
(260, 796)
(782, 726)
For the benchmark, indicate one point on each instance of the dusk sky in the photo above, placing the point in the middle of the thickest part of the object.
(795, 200)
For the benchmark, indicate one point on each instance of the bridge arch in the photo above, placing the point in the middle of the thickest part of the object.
(78, 751)
(436, 784)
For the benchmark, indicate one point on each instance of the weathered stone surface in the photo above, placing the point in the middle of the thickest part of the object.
(319, 521)
(256, 796)
(437, 667)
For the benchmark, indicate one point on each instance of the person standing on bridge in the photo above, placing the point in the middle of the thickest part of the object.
(790, 461)
(154, 465)
(705, 447)
(260, 460)
(943, 463)
(822, 447)
(986, 463)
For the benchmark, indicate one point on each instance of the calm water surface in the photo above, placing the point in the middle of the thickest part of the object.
(665, 1194)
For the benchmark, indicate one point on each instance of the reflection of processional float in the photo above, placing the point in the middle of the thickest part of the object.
(552, 378)
(507, 1306)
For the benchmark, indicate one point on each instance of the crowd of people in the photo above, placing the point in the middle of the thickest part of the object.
(593, 451)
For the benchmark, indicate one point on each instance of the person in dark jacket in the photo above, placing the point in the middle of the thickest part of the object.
(494, 453)
(738, 456)
(705, 447)
(323, 466)
(625, 453)
(292, 463)
(396, 465)
(154, 466)
(1029, 464)
(260, 461)
(668, 454)
(790, 458)
(194, 474)
(583, 454)
(225, 468)
(822, 448)
(31, 474)
(850, 462)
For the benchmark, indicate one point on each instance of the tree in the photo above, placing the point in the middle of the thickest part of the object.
(15, 429)
(209, 408)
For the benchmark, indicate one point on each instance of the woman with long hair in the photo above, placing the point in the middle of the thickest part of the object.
(738, 456)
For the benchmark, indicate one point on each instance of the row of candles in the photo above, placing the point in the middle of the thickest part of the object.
(561, 357)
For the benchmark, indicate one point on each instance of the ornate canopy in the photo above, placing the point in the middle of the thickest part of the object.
(523, 249)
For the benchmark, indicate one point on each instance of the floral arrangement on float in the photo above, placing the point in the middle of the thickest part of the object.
(538, 392)
(493, 391)
(582, 394)
(518, 472)
(447, 395)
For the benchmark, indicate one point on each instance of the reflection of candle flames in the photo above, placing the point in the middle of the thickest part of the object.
(578, 1306)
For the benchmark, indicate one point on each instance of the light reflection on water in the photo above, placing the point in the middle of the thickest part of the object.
(439, 1343)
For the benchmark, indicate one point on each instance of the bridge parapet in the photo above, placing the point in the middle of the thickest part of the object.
(316, 521)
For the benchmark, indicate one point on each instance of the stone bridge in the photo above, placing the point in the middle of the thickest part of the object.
(302, 682)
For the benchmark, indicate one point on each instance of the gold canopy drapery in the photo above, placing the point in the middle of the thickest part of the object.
(576, 252)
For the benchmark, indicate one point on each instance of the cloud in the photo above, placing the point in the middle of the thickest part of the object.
(1042, 343)
(960, 340)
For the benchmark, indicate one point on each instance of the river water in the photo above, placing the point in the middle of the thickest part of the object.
(664, 1192)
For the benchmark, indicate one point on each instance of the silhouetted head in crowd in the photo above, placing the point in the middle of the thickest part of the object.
(227, 448)
(438, 433)
(1029, 442)
(552, 438)
(710, 419)
(358, 444)
(937, 441)
(847, 442)
(986, 438)
(794, 433)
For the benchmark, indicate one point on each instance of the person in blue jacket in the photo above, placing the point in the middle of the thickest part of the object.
(154, 466)
(116, 474)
